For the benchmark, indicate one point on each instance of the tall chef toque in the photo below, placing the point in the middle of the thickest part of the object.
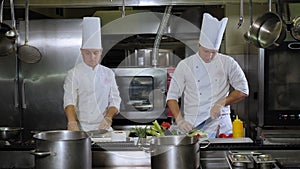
(91, 33)
(212, 31)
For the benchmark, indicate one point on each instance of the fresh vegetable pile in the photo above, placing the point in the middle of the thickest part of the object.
(197, 133)
(158, 130)
(140, 132)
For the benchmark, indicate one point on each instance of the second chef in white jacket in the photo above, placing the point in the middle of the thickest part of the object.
(91, 95)
(203, 81)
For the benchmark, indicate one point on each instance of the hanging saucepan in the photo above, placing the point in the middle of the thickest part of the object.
(295, 29)
(294, 24)
(28, 53)
(6, 44)
(268, 31)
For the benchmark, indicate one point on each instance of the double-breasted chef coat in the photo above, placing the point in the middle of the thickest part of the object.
(202, 85)
(91, 91)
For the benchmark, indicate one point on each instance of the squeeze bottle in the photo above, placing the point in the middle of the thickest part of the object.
(237, 128)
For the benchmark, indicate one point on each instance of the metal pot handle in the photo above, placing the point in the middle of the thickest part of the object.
(205, 146)
(143, 145)
(294, 45)
(42, 153)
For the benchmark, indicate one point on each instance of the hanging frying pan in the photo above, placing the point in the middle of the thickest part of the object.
(26, 52)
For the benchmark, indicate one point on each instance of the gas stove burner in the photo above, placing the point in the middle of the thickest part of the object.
(17, 143)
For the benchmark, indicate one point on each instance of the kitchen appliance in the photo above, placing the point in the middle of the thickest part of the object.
(143, 93)
(278, 115)
(282, 86)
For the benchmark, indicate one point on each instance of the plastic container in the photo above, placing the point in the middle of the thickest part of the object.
(237, 128)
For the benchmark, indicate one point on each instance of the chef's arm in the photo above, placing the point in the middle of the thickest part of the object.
(174, 107)
(234, 96)
(72, 118)
(111, 112)
(70, 113)
(184, 126)
(107, 121)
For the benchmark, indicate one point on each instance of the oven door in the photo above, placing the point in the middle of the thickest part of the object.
(282, 85)
(143, 93)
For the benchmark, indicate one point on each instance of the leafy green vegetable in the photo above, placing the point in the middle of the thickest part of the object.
(198, 133)
(140, 132)
(157, 127)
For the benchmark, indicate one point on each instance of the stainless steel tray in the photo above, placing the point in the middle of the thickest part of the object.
(264, 158)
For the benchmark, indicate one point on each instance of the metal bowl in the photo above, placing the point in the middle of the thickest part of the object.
(7, 133)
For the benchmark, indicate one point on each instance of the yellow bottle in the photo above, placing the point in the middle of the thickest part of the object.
(237, 128)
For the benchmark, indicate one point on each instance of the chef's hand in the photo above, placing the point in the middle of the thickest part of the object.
(215, 111)
(184, 126)
(105, 123)
(73, 126)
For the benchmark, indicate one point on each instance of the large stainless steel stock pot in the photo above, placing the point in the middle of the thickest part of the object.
(63, 149)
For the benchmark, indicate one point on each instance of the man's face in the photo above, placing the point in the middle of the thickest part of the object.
(207, 54)
(91, 57)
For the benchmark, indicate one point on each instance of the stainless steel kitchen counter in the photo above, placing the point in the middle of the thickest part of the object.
(122, 157)
(112, 158)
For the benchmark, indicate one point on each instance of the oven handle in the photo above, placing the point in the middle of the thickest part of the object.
(294, 45)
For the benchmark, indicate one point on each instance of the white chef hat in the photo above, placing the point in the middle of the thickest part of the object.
(91, 33)
(212, 31)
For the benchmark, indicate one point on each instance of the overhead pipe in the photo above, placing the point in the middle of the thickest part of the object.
(160, 31)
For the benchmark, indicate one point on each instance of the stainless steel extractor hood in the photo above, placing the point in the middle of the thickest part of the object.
(110, 3)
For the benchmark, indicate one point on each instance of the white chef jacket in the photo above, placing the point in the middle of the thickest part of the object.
(202, 85)
(91, 91)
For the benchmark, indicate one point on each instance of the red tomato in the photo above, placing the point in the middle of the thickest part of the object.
(222, 135)
(230, 135)
(198, 136)
(166, 125)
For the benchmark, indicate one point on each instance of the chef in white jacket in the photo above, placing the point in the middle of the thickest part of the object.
(91, 95)
(203, 81)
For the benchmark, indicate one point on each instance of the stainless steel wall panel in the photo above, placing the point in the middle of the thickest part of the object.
(9, 114)
(59, 42)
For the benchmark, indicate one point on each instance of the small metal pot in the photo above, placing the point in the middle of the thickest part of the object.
(8, 133)
(62, 149)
